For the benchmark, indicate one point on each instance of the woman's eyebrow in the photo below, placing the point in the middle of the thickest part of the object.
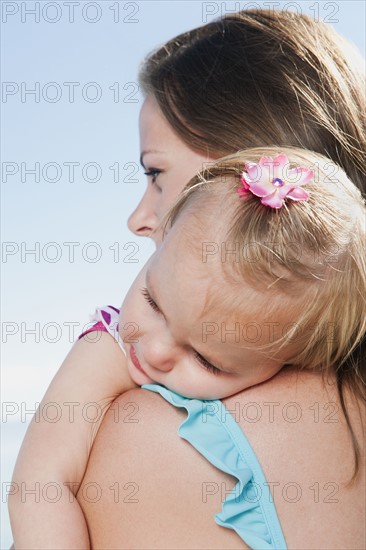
(146, 152)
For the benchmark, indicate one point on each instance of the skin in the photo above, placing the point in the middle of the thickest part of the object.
(303, 447)
(171, 163)
(171, 330)
(142, 452)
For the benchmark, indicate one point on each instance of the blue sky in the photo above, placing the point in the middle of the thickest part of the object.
(83, 254)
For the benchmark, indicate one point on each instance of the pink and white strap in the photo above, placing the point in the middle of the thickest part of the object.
(106, 320)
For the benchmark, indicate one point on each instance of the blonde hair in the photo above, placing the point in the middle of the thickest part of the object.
(320, 242)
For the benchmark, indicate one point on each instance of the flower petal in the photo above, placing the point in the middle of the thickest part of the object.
(265, 169)
(243, 192)
(245, 189)
(285, 190)
(253, 170)
(245, 184)
(280, 166)
(266, 161)
(281, 159)
(261, 188)
(300, 175)
(258, 173)
(298, 194)
(273, 200)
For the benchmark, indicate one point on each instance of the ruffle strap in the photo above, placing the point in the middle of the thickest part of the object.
(249, 509)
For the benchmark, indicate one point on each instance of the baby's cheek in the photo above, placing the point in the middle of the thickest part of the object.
(127, 325)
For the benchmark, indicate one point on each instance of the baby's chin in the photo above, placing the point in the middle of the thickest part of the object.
(139, 377)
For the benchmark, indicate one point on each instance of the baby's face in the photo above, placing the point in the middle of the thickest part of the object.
(171, 164)
(181, 328)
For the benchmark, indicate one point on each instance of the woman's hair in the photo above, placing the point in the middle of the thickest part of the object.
(312, 253)
(263, 77)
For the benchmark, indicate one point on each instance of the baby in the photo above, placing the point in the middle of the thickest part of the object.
(262, 265)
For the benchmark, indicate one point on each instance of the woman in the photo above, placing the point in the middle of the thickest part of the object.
(250, 79)
(204, 135)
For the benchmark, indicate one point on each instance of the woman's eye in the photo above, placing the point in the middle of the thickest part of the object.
(206, 364)
(153, 173)
(149, 300)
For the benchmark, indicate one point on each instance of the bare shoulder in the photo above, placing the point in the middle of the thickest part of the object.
(296, 426)
(298, 403)
(151, 483)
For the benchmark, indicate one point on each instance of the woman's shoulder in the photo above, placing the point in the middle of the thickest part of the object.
(295, 425)
(299, 413)
(296, 398)
(297, 429)
(138, 450)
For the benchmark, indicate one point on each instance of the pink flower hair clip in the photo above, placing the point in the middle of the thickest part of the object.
(273, 181)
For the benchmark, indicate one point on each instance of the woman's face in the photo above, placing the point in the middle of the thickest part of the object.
(169, 164)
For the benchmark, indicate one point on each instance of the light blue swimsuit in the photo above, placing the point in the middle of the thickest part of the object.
(249, 509)
(211, 429)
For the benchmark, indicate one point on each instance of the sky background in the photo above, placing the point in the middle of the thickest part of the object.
(65, 244)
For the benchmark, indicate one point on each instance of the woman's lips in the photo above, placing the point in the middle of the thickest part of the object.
(135, 361)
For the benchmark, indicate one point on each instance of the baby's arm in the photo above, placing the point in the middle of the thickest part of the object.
(55, 451)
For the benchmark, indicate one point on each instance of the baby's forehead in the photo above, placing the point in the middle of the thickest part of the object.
(206, 216)
(205, 251)
(199, 261)
(198, 239)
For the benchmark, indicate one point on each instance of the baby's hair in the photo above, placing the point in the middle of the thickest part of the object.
(263, 77)
(313, 251)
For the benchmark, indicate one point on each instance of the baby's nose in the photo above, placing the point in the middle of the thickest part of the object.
(161, 354)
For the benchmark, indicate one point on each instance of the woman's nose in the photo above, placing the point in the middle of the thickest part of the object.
(143, 220)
